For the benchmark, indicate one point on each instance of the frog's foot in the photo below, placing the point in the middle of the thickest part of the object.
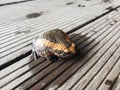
(34, 54)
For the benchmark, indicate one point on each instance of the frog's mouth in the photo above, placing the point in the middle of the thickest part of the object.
(64, 54)
(67, 55)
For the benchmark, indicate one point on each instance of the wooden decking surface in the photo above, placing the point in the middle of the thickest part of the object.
(96, 65)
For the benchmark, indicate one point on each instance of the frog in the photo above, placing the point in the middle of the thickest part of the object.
(53, 45)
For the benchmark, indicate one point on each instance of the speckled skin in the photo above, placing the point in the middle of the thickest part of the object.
(52, 45)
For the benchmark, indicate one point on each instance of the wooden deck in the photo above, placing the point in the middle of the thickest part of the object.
(96, 65)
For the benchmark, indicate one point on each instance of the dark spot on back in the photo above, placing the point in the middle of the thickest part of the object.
(57, 36)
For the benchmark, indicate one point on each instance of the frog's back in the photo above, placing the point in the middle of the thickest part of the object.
(57, 36)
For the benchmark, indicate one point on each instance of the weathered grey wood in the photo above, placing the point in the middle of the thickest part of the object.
(28, 82)
(5, 3)
(27, 24)
(105, 70)
(10, 76)
(24, 75)
(117, 84)
(24, 35)
(31, 35)
(14, 55)
(94, 69)
(84, 69)
(25, 69)
(74, 67)
(6, 59)
(10, 69)
(69, 71)
(39, 84)
(6, 48)
(39, 21)
(92, 41)
(21, 36)
(15, 65)
(33, 21)
(29, 74)
(114, 13)
(111, 77)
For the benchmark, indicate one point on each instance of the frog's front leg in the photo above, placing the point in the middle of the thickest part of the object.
(35, 56)
(51, 57)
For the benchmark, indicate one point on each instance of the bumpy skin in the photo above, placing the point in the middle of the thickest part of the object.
(52, 45)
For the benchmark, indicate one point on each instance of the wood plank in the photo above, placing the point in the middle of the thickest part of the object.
(24, 26)
(105, 70)
(25, 69)
(84, 69)
(8, 59)
(6, 49)
(30, 74)
(110, 78)
(15, 76)
(65, 75)
(41, 73)
(29, 49)
(6, 3)
(114, 13)
(12, 73)
(15, 55)
(17, 64)
(46, 81)
(30, 37)
(38, 21)
(117, 84)
(21, 37)
(7, 71)
(42, 19)
(11, 81)
(28, 23)
(38, 28)
(97, 66)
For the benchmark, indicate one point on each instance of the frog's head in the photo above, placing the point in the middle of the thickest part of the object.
(60, 43)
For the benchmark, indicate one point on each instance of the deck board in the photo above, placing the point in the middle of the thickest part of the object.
(96, 64)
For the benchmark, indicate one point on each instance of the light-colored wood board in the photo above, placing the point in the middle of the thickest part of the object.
(84, 69)
(95, 68)
(111, 77)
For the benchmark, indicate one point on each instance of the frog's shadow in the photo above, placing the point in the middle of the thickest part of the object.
(81, 42)
(45, 67)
